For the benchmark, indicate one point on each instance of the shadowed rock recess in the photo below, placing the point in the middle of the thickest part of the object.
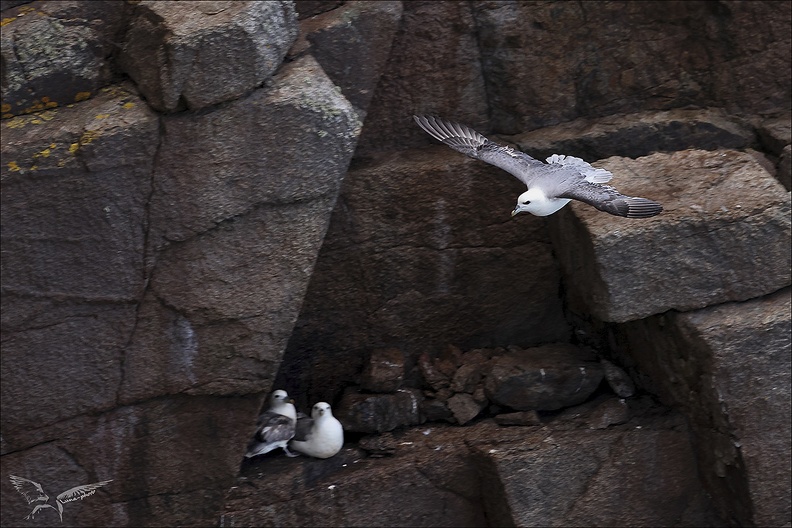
(204, 201)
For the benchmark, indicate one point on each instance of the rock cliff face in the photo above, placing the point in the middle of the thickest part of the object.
(203, 201)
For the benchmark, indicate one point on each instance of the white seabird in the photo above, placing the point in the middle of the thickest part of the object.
(550, 186)
(275, 427)
(320, 436)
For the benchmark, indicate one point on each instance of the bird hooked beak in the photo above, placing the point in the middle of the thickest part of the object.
(515, 212)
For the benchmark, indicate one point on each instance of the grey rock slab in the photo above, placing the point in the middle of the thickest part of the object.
(728, 368)
(618, 379)
(464, 407)
(544, 378)
(198, 54)
(221, 164)
(639, 134)
(75, 186)
(352, 44)
(518, 418)
(784, 169)
(55, 53)
(417, 235)
(724, 235)
(593, 478)
(776, 133)
(377, 413)
(384, 371)
(435, 70)
(545, 64)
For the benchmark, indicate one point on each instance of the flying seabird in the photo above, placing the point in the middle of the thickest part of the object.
(321, 435)
(33, 492)
(275, 427)
(550, 186)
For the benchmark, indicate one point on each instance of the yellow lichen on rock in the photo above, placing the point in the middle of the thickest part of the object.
(12, 166)
(81, 96)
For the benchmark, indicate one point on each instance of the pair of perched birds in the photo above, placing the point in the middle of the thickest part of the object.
(320, 436)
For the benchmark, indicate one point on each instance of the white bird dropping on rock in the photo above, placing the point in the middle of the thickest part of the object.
(320, 436)
(550, 186)
(275, 427)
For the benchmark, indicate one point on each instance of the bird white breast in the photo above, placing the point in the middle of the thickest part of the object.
(547, 206)
(325, 440)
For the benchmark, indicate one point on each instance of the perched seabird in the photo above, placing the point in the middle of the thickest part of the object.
(275, 427)
(321, 435)
(550, 186)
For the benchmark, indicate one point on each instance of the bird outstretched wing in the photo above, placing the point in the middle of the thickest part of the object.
(469, 142)
(607, 199)
(80, 492)
(32, 491)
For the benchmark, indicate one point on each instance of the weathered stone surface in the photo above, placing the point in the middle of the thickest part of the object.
(379, 445)
(8, 4)
(464, 407)
(543, 378)
(417, 486)
(309, 8)
(486, 475)
(197, 54)
(245, 211)
(435, 71)
(377, 413)
(728, 368)
(55, 53)
(75, 183)
(612, 411)
(431, 374)
(596, 478)
(416, 236)
(352, 43)
(384, 371)
(618, 379)
(105, 288)
(518, 418)
(636, 135)
(776, 133)
(725, 230)
(435, 410)
(546, 63)
(784, 168)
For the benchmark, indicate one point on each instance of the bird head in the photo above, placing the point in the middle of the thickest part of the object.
(531, 201)
(321, 409)
(280, 396)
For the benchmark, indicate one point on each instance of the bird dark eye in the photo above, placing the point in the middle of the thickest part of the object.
(526, 202)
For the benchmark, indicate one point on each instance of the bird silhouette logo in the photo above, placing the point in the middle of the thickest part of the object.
(34, 493)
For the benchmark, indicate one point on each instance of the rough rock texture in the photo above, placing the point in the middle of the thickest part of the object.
(75, 188)
(543, 378)
(436, 70)
(384, 371)
(485, 475)
(636, 135)
(595, 59)
(339, 37)
(725, 227)
(154, 265)
(377, 413)
(216, 209)
(202, 53)
(54, 53)
(728, 368)
(415, 237)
